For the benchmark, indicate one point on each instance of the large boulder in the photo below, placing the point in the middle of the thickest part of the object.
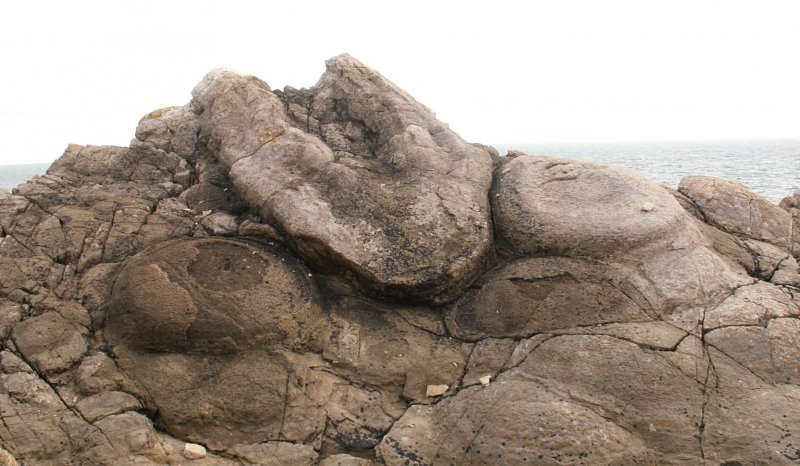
(733, 207)
(310, 277)
(545, 205)
(361, 177)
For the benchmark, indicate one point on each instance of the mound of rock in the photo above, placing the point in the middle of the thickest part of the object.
(332, 276)
(360, 177)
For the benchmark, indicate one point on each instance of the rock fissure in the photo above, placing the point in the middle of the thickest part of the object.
(408, 259)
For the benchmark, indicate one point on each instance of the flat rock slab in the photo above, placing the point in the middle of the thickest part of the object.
(509, 422)
(530, 296)
(50, 342)
(376, 186)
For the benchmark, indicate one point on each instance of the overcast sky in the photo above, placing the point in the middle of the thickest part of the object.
(496, 71)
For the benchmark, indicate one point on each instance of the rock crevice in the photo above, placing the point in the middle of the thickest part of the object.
(332, 276)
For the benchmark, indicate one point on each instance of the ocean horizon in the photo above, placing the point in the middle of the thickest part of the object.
(770, 167)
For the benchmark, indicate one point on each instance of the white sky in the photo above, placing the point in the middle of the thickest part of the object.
(496, 71)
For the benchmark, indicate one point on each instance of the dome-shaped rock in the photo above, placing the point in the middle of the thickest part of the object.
(568, 207)
(212, 295)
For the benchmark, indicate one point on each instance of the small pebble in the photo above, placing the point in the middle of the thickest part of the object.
(194, 451)
(436, 390)
(486, 380)
(648, 206)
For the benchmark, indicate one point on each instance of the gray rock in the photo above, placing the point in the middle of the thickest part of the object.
(378, 187)
(752, 305)
(746, 418)
(207, 196)
(275, 454)
(345, 460)
(733, 207)
(220, 224)
(509, 422)
(791, 204)
(50, 342)
(545, 205)
(360, 313)
(10, 314)
(487, 359)
(620, 380)
(98, 374)
(105, 404)
(771, 352)
(172, 129)
(528, 296)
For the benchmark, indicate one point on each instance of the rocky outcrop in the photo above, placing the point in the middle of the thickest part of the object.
(359, 177)
(791, 204)
(331, 276)
(733, 207)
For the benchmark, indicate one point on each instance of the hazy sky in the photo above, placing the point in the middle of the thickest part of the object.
(496, 71)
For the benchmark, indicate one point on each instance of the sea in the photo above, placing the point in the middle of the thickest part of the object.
(770, 167)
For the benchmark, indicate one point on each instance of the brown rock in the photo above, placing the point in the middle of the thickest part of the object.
(276, 454)
(172, 129)
(791, 204)
(567, 207)
(213, 295)
(105, 404)
(378, 187)
(733, 207)
(613, 327)
(509, 422)
(50, 342)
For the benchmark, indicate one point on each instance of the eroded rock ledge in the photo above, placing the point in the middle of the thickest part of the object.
(331, 276)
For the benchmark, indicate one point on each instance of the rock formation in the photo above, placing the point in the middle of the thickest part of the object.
(331, 276)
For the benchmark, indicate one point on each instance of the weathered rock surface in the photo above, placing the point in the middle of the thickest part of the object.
(359, 176)
(311, 276)
(565, 207)
(791, 204)
(733, 207)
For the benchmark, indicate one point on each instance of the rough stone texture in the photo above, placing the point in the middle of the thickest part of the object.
(345, 460)
(7, 459)
(220, 224)
(359, 175)
(193, 451)
(213, 295)
(509, 422)
(733, 207)
(357, 310)
(50, 342)
(565, 207)
(275, 454)
(791, 204)
(105, 404)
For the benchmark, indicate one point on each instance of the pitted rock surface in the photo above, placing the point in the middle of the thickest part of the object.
(310, 277)
(213, 295)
